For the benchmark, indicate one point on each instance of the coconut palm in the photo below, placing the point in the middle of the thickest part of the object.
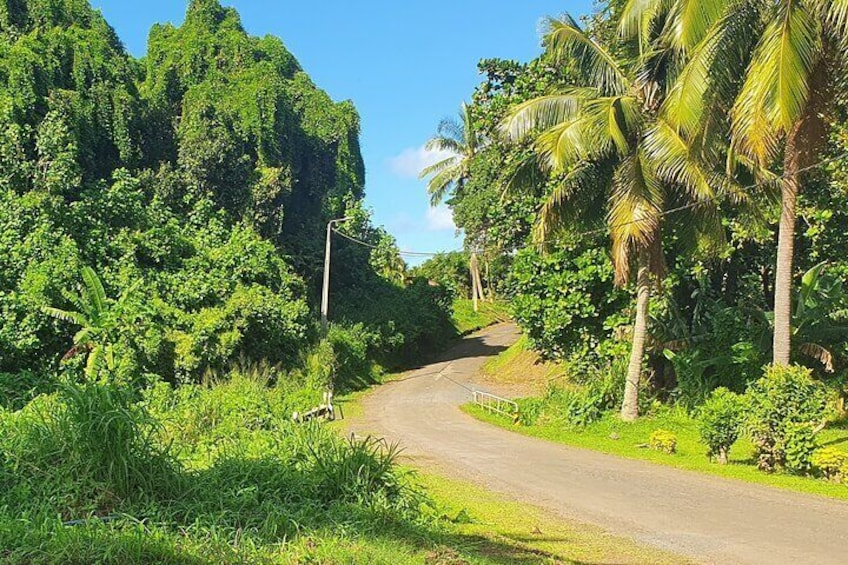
(461, 140)
(600, 139)
(771, 66)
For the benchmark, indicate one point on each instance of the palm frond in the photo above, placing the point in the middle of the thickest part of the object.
(441, 183)
(526, 176)
(819, 353)
(442, 143)
(635, 210)
(566, 41)
(709, 81)
(637, 18)
(562, 146)
(690, 21)
(544, 112)
(563, 206)
(776, 87)
(610, 123)
(604, 126)
(676, 162)
(836, 17)
(451, 129)
(440, 166)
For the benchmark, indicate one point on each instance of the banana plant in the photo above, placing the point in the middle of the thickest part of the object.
(99, 319)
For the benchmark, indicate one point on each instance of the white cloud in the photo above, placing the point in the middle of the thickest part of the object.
(440, 218)
(410, 162)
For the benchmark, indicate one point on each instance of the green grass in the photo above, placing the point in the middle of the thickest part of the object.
(220, 474)
(519, 364)
(467, 320)
(504, 531)
(612, 435)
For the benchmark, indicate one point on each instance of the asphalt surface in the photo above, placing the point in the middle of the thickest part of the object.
(711, 519)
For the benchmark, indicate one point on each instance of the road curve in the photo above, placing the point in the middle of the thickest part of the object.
(711, 519)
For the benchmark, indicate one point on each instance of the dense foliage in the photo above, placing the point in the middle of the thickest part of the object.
(565, 301)
(711, 320)
(196, 183)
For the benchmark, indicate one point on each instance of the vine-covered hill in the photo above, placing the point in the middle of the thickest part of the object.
(201, 177)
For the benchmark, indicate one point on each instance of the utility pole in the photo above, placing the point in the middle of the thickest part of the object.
(325, 291)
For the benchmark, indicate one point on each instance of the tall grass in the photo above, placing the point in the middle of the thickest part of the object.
(215, 473)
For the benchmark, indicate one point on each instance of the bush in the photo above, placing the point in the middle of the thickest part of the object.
(16, 389)
(576, 325)
(720, 422)
(663, 440)
(786, 406)
(403, 322)
(830, 463)
(352, 365)
(799, 446)
(585, 404)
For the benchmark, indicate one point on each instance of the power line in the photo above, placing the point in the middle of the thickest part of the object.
(372, 246)
(606, 229)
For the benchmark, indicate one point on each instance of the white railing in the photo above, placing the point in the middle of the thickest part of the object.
(497, 404)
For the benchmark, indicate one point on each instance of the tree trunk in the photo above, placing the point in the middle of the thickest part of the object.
(489, 287)
(630, 406)
(472, 269)
(789, 188)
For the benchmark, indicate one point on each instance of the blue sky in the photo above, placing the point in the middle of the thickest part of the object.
(405, 64)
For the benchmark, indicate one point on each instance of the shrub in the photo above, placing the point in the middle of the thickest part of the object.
(786, 405)
(799, 446)
(352, 366)
(720, 422)
(16, 389)
(663, 440)
(830, 463)
(585, 404)
(576, 325)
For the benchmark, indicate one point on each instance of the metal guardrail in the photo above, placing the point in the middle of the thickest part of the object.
(497, 404)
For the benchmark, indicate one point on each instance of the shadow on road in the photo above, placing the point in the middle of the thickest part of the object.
(474, 346)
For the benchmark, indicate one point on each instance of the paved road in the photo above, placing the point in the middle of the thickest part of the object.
(712, 519)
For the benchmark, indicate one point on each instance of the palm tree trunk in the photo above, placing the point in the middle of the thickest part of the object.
(630, 406)
(789, 188)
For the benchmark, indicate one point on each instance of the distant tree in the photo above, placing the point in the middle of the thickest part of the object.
(451, 173)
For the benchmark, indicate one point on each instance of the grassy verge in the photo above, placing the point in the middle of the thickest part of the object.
(611, 435)
(519, 365)
(497, 530)
(219, 474)
(467, 320)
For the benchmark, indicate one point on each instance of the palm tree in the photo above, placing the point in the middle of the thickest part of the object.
(461, 140)
(99, 320)
(599, 137)
(770, 65)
